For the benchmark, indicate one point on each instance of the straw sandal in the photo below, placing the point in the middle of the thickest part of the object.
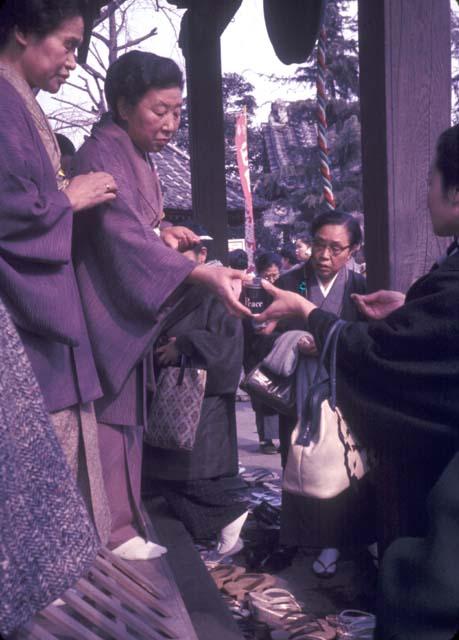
(355, 625)
(303, 626)
(273, 605)
(248, 582)
(223, 573)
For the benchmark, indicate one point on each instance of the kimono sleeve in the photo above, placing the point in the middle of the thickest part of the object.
(398, 377)
(217, 347)
(118, 254)
(35, 218)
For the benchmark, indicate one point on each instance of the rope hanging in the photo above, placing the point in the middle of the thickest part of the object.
(322, 122)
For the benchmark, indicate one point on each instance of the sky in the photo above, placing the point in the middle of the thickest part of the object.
(245, 47)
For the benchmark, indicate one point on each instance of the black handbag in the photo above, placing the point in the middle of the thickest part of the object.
(322, 388)
(277, 392)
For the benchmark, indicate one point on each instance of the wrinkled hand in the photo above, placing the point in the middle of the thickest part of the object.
(90, 189)
(179, 238)
(168, 354)
(285, 304)
(380, 304)
(220, 281)
(307, 345)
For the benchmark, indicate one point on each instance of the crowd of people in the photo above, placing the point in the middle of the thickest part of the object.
(104, 294)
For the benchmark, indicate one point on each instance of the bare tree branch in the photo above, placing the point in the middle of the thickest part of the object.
(108, 11)
(75, 86)
(62, 101)
(96, 74)
(91, 95)
(98, 57)
(100, 37)
(132, 43)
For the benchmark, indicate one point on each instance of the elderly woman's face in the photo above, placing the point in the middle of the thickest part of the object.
(331, 249)
(152, 122)
(46, 62)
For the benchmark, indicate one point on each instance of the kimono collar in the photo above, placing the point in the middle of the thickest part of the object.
(40, 120)
(147, 182)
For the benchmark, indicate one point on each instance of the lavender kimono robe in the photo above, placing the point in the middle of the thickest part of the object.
(125, 272)
(37, 281)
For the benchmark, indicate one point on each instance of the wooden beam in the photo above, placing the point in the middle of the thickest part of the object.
(405, 88)
(405, 80)
(200, 41)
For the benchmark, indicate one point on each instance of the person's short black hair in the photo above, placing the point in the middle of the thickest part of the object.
(266, 260)
(135, 73)
(40, 17)
(447, 158)
(238, 259)
(66, 146)
(288, 252)
(339, 218)
(304, 237)
(199, 230)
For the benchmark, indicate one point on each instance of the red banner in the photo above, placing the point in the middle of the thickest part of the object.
(244, 174)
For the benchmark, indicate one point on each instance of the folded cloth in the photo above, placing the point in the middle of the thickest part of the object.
(283, 357)
(46, 538)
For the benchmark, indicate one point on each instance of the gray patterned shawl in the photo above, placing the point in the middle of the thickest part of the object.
(46, 539)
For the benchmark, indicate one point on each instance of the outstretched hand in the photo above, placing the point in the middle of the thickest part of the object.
(284, 305)
(220, 280)
(380, 304)
(180, 238)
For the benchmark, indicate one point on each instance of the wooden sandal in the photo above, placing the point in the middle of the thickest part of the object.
(224, 572)
(248, 582)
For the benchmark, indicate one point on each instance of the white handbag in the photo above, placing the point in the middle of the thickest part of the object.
(324, 458)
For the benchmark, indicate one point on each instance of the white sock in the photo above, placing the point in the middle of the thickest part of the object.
(139, 549)
(327, 557)
(229, 535)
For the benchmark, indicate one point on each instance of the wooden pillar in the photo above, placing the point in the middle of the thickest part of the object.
(207, 142)
(405, 85)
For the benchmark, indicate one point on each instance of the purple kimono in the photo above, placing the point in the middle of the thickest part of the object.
(125, 272)
(37, 281)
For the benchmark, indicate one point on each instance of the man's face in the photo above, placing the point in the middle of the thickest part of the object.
(46, 62)
(152, 122)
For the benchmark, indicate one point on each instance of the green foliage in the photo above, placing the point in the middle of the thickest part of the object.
(237, 93)
(343, 117)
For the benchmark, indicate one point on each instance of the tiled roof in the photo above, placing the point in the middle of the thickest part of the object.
(173, 166)
(284, 142)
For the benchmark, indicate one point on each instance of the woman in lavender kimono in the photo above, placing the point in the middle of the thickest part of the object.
(128, 277)
(37, 283)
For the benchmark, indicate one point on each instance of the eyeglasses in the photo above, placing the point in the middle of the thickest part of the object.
(335, 249)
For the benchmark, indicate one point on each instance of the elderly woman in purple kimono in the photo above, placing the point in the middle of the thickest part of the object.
(128, 277)
(37, 283)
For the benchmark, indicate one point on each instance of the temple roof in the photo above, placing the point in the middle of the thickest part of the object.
(173, 166)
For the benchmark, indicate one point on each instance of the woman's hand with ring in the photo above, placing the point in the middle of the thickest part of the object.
(89, 190)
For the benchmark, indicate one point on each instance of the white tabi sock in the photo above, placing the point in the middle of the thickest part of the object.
(139, 549)
(229, 535)
(325, 560)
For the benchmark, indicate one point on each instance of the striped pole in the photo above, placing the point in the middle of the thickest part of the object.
(322, 121)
